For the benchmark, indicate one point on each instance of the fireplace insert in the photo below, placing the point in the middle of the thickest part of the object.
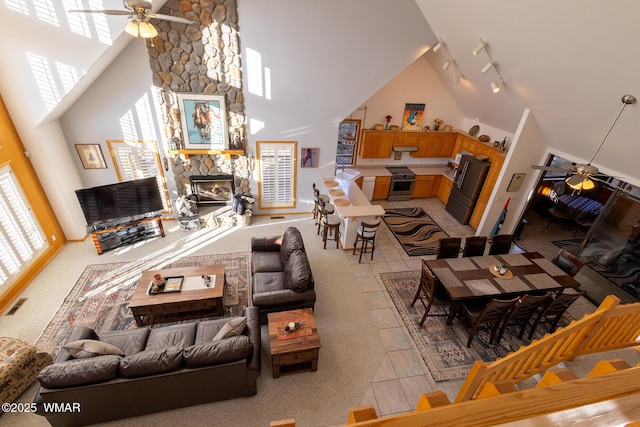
(213, 189)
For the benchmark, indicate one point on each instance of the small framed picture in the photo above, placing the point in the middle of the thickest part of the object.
(309, 158)
(91, 156)
(516, 181)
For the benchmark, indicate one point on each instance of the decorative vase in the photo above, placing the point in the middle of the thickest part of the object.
(436, 127)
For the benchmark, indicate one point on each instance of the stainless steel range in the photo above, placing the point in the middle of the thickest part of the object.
(402, 180)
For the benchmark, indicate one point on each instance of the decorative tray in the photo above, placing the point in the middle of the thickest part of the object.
(507, 275)
(171, 284)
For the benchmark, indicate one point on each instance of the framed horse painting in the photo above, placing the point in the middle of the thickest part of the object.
(204, 121)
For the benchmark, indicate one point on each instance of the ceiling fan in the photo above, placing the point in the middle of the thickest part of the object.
(139, 12)
(582, 175)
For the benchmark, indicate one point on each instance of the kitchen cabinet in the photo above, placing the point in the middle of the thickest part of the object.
(428, 145)
(464, 143)
(381, 189)
(405, 139)
(447, 143)
(359, 182)
(376, 144)
(444, 190)
(425, 186)
(497, 159)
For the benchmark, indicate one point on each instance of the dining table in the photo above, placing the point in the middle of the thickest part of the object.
(474, 277)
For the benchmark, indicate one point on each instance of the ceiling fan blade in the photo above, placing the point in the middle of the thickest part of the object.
(106, 12)
(169, 18)
(551, 169)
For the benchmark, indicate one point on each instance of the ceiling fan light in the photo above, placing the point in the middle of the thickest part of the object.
(132, 28)
(579, 182)
(147, 30)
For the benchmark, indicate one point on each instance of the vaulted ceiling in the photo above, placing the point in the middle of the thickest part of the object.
(569, 62)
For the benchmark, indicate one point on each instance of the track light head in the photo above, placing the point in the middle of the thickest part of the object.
(437, 46)
(446, 65)
(495, 87)
(487, 67)
(478, 48)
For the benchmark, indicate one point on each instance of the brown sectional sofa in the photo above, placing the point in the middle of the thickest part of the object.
(162, 368)
(281, 274)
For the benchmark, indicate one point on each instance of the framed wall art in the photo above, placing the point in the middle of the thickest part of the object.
(309, 158)
(204, 121)
(413, 116)
(516, 181)
(91, 156)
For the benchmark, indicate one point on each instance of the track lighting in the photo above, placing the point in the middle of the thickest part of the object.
(449, 62)
(487, 67)
(458, 78)
(495, 85)
(479, 48)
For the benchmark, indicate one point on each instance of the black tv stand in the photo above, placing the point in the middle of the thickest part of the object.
(125, 231)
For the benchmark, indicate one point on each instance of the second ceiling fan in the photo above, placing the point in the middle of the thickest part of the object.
(139, 12)
(582, 174)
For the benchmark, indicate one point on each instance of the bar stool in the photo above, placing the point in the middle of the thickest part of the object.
(327, 208)
(316, 196)
(366, 235)
(330, 225)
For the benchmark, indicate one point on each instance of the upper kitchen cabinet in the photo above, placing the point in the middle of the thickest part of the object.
(376, 144)
(405, 139)
(435, 144)
(348, 135)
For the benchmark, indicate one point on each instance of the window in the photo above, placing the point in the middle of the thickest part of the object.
(21, 239)
(276, 185)
(139, 159)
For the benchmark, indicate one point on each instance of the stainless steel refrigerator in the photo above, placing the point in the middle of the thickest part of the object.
(466, 187)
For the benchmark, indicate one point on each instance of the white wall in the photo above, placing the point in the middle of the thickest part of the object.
(307, 68)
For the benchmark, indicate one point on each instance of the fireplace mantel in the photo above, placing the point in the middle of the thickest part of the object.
(189, 153)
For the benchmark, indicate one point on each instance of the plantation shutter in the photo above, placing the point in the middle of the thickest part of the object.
(277, 174)
(136, 160)
(21, 238)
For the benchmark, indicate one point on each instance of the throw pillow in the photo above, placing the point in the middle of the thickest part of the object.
(83, 349)
(232, 328)
(297, 272)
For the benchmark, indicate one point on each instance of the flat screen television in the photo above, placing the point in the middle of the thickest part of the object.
(119, 201)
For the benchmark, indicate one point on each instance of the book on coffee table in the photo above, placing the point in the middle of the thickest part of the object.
(171, 284)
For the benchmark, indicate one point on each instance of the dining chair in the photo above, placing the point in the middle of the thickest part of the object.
(554, 311)
(568, 262)
(430, 294)
(449, 247)
(500, 244)
(525, 309)
(365, 235)
(475, 314)
(474, 246)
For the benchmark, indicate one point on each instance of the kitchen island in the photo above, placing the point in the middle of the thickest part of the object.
(352, 206)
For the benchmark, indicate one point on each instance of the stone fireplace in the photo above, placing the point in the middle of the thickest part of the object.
(213, 189)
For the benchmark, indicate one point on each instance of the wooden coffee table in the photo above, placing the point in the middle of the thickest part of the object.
(193, 301)
(294, 351)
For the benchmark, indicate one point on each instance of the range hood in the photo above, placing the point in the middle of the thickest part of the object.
(405, 149)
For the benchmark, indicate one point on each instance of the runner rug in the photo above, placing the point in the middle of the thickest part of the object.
(444, 348)
(415, 230)
(100, 297)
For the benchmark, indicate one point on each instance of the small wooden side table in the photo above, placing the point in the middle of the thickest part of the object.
(295, 351)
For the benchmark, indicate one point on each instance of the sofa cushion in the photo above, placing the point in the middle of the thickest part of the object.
(265, 262)
(232, 328)
(79, 371)
(150, 362)
(297, 272)
(82, 349)
(175, 335)
(291, 241)
(268, 282)
(130, 341)
(218, 352)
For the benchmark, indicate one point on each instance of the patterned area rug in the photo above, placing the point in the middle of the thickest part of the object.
(100, 297)
(415, 230)
(444, 348)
